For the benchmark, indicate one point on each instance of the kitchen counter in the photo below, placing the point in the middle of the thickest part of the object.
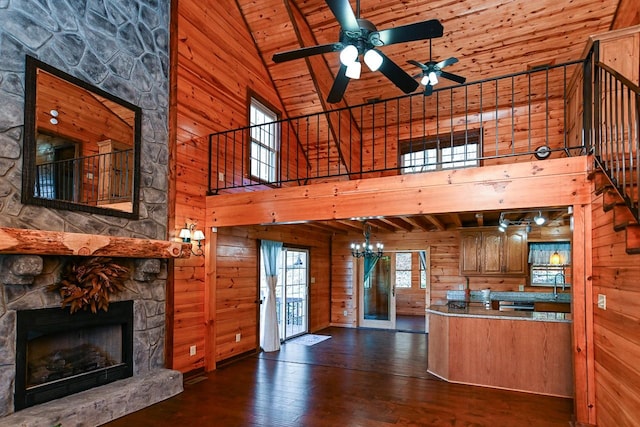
(514, 350)
(481, 312)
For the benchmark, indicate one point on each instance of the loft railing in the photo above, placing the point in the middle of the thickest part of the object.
(614, 131)
(497, 120)
(95, 180)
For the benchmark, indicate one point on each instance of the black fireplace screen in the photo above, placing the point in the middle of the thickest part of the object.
(60, 353)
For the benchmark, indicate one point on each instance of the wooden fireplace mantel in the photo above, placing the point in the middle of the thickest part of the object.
(42, 242)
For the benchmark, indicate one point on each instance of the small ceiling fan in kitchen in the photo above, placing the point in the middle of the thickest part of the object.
(432, 71)
(360, 37)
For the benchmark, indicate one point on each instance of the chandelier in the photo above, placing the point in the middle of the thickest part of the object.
(366, 249)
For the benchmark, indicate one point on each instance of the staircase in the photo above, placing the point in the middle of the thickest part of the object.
(614, 130)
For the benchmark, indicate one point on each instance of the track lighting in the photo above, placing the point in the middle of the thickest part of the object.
(373, 59)
(539, 219)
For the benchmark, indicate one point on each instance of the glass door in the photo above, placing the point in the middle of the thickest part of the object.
(292, 292)
(377, 293)
(293, 314)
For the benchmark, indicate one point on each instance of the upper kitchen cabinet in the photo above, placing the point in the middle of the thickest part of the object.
(491, 252)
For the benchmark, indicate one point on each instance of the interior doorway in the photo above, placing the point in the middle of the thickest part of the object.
(376, 278)
(292, 292)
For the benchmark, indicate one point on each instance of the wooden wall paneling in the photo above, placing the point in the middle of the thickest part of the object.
(444, 273)
(615, 330)
(237, 282)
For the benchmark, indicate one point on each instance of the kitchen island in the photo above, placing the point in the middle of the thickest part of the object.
(514, 350)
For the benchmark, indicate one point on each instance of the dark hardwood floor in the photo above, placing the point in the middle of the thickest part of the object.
(406, 323)
(357, 377)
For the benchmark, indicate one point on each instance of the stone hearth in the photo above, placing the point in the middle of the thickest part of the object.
(23, 285)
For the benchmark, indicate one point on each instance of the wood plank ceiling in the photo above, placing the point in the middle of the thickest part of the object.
(490, 39)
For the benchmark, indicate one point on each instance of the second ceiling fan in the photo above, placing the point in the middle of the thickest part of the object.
(360, 37)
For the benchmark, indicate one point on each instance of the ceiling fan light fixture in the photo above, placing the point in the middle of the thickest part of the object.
(348, 55)
(539, 219)
(433, 78)
(425, 80)
(373, 59)
(353, 70)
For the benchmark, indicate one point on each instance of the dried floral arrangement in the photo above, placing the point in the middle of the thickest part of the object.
(88, 283)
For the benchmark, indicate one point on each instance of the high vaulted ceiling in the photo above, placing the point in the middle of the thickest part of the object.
(489, 37)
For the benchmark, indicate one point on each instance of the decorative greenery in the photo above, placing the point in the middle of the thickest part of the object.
(89, 282)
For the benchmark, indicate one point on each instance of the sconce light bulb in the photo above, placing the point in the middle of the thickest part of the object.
(54, 113)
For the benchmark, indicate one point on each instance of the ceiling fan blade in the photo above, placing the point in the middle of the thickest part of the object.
(305, 51)
(428, 90)
(344, 14)
(453, 77)
(339, 85)
(412, 32)
(397, 75)
(447, 62)
(417, 64)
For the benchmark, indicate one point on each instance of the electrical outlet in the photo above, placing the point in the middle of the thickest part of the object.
(313, 280)
(461, 287)
(345, 312)
(192, 350)
(602, 301)
(89, 175)
(238, 336)
(220, 176)
(521, 288)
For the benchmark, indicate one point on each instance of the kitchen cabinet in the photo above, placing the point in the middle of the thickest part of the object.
(491, 252)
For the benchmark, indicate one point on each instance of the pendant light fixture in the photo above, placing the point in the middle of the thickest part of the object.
(367, 249)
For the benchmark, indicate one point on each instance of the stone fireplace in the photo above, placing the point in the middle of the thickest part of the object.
(47, 353)
(59, 353)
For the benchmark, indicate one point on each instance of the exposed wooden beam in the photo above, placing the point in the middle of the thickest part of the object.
(456, 219)
(400, 222)
(419, 222)
(428, 193)
(384, 223)
(350, 154)
(480, 219)
(436, 222)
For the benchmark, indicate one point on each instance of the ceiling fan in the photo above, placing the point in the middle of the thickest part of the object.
(360, 37)
(432, 70)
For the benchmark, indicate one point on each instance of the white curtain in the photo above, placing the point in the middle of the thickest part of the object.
(540, 253)
(269, 337)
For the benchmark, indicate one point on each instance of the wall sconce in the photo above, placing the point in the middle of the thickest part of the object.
(189, 233)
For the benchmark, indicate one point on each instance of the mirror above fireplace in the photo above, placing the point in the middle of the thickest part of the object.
(81, 145)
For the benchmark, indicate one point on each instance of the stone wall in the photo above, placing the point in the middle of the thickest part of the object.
(23, 285)
(120, 46)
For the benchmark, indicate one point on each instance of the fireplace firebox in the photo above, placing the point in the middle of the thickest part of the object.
(58, 353)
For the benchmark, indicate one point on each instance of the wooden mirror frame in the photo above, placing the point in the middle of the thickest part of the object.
(31, 135)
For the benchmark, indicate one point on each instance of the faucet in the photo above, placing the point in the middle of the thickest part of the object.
(555, 284)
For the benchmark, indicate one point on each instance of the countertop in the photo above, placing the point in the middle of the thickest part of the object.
(481, 312)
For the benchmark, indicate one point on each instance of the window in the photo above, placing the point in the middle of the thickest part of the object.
(403, 269)
(423, 269)
(265, 142)
(448, 151)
